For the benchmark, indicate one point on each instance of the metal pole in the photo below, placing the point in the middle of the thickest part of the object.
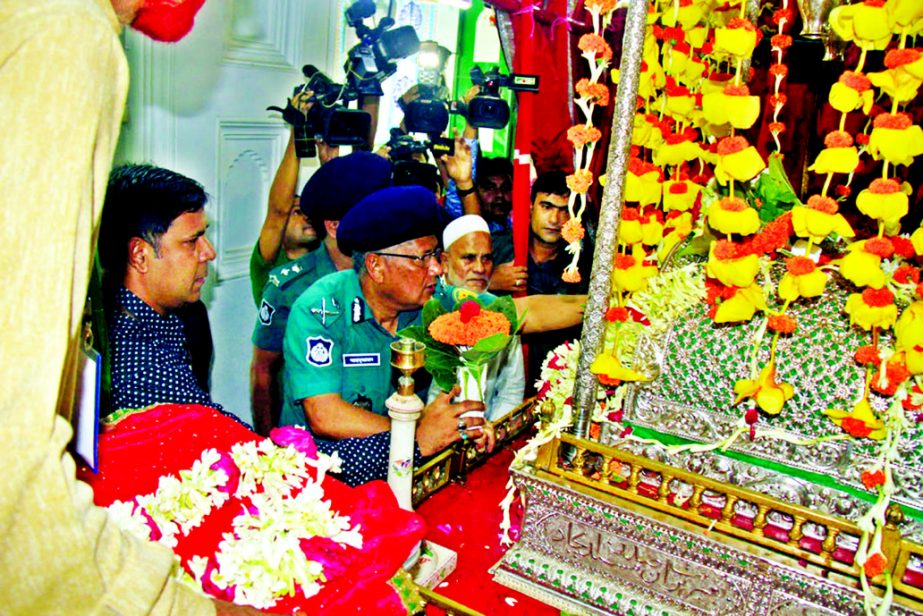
(594, 323)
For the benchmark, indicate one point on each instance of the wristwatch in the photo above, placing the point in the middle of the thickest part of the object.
(463, 192)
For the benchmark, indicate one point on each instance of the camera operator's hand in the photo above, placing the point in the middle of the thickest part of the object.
(471, 93)
(412, 94)
(325, 152)
(458, 166)
(296, 108)
(509, 277)
(301, 101)
(441, 424)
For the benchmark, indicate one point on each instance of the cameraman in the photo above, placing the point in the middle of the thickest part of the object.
(286, 234)
(461, 196)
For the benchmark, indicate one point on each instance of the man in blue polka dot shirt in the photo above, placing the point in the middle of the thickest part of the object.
(153, 249)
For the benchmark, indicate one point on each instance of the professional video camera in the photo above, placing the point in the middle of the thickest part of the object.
(374, 58)
(408, 159)
(487, 109)
(429, 112)
(329, 117)
(402, 146)
(369, 62)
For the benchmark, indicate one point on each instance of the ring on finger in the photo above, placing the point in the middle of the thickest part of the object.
(462, 425)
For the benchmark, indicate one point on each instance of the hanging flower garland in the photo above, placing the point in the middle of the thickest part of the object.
(778, 71)
(882, 266)
(584, 137)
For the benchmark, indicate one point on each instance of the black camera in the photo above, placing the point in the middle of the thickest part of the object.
(487, 109)
(429, 112)
(329, 119)
(372, 60)
(402, 146)
(408, 159)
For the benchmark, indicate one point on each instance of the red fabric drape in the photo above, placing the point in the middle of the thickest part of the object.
(136, 451)
(541, 40)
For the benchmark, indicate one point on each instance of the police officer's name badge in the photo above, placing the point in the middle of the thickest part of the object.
(319, 351)
(354, 360)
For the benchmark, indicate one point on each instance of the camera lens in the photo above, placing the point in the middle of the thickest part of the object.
(488, 112)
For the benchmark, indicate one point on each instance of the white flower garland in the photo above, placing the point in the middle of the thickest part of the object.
(261, 560)
(178, 505)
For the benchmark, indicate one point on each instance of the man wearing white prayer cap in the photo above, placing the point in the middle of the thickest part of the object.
(467, 259)
(467, 253)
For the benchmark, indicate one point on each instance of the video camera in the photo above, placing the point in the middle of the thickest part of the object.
(429, 112)
(405, 153)
(487, 109)
(374, 58)
(369, 62)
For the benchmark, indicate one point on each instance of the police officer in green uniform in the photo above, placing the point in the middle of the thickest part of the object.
(327, 196)
(336, 347)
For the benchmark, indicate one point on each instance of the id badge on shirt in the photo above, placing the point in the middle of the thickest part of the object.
(86, 438)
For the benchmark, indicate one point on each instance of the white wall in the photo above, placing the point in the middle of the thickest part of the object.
(198, 107)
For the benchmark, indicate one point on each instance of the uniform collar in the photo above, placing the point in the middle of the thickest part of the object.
(324, 254)
(359, 311)
(309, 259)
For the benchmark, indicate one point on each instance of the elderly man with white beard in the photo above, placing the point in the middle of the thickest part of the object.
(468, 263)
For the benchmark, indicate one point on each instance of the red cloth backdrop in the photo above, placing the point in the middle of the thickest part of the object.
(540, 43)
(545, 37)
(138, 449)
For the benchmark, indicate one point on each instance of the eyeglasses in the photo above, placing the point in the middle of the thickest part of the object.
(420, 260)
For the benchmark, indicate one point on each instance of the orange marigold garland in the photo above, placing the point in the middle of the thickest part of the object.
(584, 137)
(894, 140)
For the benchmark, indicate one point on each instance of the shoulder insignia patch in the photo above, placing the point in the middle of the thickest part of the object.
(266, 312)
(319, 351)
(291, 272)
(274, 279)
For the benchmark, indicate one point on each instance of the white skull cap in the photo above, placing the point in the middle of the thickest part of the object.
(461, 226)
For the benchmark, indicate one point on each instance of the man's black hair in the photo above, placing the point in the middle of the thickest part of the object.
(550, 183)
(493, 166)
(142, 201)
